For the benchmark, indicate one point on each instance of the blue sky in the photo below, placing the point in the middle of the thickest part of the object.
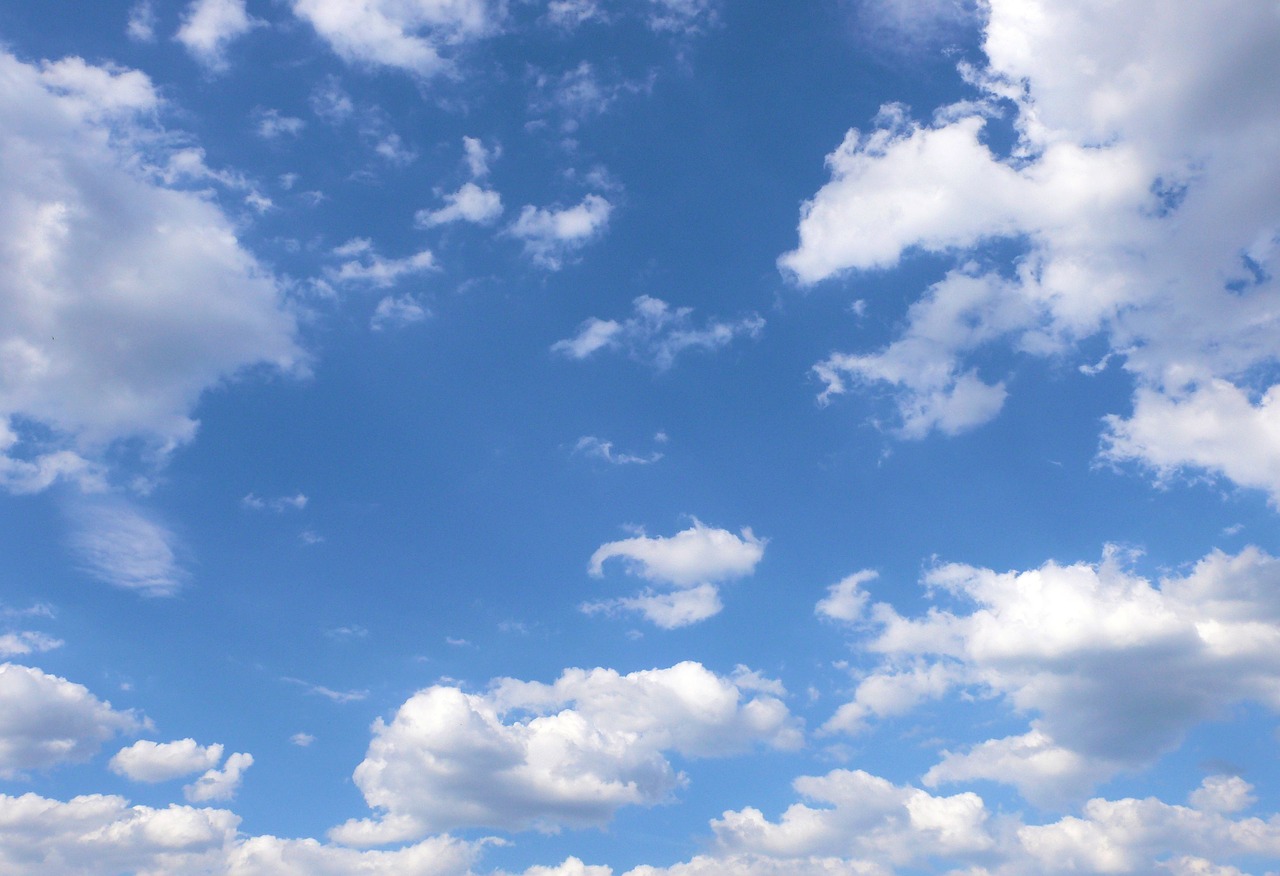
(639, 437)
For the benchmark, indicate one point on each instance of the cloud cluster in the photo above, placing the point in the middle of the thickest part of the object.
(688, 565)
(657, 333)
(1074, 646)
(532, 755)
(417, 36)
(104, 834)
(852, 822)
(1134, 189)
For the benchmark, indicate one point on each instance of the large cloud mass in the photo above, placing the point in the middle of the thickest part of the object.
(545, 755)
(121, 299)
(1074, 647)
(1141, 188)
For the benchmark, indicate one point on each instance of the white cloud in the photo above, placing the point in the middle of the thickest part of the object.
(571, 13)
(272, 125)
(1136, 199)
(209, 26)
(551, 235)
(46, 720)
(364, 266)
(470, 203)
(478, 156)
(580, 93)
(220, 784)
(119, 545)
(336, 696)
(1214, 426)
(656, 333)
(536, 755)
(27, 642)
(147, 761)
(863, 824)
(669, 611)
(845, 600)
(689, 563)
(412, 35)
(590, 445)
(296, 502)
(115, 318)
(397, 311)
(141, 26)
(697, 555)
(104, 834)
(1072, 646)
(682, 16)
(302, 740)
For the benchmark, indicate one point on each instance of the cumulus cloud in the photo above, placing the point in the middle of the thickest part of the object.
(417, 36)
(681, 16)
(552, 235)
(852, 822)
(219, 784)
(296, 502)
(1135, 199)
(1073, 647)
(122, 298)
(570, 753)
(470, 203)
(105, 834)
(209, 26)
(141, 25)
(689, 564)
(147, 761)
(46, 720)
(272, 125)
(657, 333)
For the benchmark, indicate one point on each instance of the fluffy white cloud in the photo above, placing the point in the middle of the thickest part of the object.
(527, 754)
(1136, 197)
(104, 834)
(46, 720)
(121, 298)
(413, 35)
(846, 599)
(209, 25)
(470, 203)
(219, 784)
(552, 235)
(1073, 646)
(656, 332)
(691, 563)
(863, 824)
(147, 761)
(699, 554)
